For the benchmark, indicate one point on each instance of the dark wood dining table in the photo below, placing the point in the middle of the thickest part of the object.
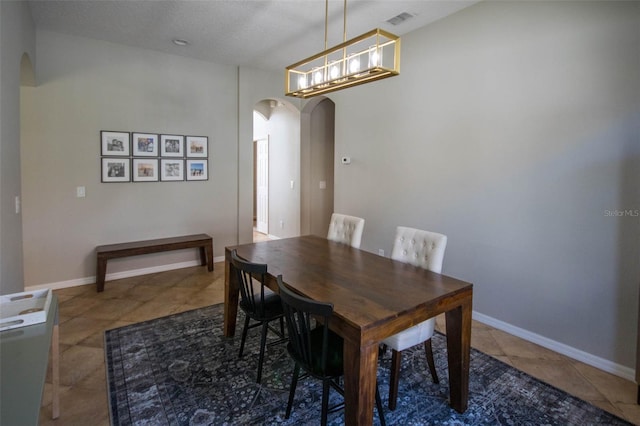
(373, 297)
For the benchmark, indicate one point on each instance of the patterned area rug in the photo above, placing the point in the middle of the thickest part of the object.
(181, 370)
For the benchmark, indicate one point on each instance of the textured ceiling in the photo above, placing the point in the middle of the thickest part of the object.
(266, 34)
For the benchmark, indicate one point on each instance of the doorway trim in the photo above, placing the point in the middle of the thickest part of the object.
(262, 184)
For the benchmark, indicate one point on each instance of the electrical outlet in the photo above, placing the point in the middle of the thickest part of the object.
(80, 192)
(380, 252)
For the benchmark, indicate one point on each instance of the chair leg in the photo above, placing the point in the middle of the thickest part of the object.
(382, 350)
(292, 389)
(263, 343)
(244, 335)
(282, 326)
(428, 350)
(325, 402)
(379, 407)
(396, 357)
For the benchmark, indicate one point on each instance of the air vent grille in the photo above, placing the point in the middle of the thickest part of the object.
(399, 19)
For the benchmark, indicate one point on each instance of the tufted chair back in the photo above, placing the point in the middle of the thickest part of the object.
(423, 249)
(346, 229)
(419, 248)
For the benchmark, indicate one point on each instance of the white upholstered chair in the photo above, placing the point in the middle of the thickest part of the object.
(346, 229)
(426, 250)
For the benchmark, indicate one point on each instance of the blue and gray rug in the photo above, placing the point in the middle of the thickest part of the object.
(181, 370)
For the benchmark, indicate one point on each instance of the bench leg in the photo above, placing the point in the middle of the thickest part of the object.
(101, 272)
(206, 256)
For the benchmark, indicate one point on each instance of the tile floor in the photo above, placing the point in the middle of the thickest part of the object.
(86, 314)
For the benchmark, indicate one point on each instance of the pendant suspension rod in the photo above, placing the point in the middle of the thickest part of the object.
(326, 22)
(344, 36)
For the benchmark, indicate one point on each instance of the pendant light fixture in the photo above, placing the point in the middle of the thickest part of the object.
(371, 56)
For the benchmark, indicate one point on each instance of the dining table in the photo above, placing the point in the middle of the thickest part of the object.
(373, 297)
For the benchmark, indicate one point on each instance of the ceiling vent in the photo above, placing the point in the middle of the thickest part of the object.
(399, 19)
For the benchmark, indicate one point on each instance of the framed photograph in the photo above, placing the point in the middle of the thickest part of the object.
(116, 170)
(145, 169)
(145, 145)
(172, 146)
(197, 146)
(197, 170)
(171, 169)
(114, 143)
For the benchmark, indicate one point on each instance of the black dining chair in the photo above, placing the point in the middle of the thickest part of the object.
(315, 348)
(258, 303)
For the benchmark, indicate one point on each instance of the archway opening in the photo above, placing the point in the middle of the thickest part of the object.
(276, 169)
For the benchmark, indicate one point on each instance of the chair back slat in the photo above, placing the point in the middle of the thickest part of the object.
(252, 296)
(300, 315)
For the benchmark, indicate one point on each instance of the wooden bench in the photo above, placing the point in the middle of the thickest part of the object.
(103, 253)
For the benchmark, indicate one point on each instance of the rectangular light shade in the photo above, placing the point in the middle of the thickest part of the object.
(372, 56)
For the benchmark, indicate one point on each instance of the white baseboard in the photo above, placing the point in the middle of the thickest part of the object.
(118, 275)
(561, 348)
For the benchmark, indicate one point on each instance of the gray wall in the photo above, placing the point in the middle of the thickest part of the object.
(513, 128)
(86, 86)
(17, 36)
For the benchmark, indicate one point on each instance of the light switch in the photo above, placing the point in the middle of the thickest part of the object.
(292, 184)
(323, 184)
(80, 192)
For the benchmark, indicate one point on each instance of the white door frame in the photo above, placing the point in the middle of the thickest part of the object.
(262, 185)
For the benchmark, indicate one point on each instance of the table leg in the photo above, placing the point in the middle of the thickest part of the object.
(360, 368)
(231, 293)
(101, 272)
(458, 322)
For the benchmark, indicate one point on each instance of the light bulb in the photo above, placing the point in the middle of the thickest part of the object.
(375, 56)
(317, 75)
(334, 70)
(302, 81)
(354, 64)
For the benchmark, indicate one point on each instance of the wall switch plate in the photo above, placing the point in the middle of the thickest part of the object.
(80, 192)
(17, 201)
(323, 184)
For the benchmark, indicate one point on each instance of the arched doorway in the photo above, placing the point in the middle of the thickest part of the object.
(276, 164)
(299, 167)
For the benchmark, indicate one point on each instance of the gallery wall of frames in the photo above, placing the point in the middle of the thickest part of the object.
(151, 157)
